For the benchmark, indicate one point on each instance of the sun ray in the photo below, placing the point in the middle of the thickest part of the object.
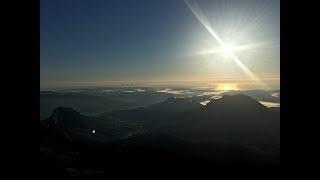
(238, 48)
(198, 13)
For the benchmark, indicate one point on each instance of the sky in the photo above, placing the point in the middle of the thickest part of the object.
(152, 42)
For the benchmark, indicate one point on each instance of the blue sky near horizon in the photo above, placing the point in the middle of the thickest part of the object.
(103, 42)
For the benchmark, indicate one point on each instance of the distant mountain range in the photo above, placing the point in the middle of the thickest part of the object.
(98, 101)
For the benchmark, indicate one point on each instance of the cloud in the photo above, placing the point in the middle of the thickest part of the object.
(140, 90)
(170, 91)
(275, 94)
(207, 93)
(204, 102)
(207, 101)
(270, 104)
(108, 90)
(216, 97)
(135, 90)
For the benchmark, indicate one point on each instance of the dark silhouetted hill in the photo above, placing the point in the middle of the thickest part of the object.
(238, 119)
(76, 127)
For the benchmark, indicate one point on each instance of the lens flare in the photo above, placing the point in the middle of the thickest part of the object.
(226, 48)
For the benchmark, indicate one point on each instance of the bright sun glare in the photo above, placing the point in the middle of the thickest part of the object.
(227, 86)
(228, 49)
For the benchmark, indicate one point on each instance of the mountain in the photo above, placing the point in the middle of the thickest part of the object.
(275, 109)
(156, 116)
(260, 95)
(237, 119)
(68, 123)
(233, 131)
(238, 102)
(88, 104)
(175, 104)
(64, 117)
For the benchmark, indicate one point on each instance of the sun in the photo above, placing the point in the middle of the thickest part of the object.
(228, 49)
(223, 46)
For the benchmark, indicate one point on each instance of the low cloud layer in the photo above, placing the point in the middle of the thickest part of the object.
(270, 104)
(171, 91)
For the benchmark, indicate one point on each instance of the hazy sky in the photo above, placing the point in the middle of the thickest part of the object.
(105, 42)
